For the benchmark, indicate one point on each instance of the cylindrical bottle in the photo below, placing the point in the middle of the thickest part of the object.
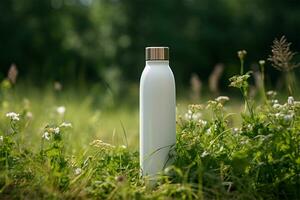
(157, 112)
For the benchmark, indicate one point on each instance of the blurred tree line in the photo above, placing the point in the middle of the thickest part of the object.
(83, 40)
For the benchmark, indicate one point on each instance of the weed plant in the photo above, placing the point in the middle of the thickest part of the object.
(260, 159)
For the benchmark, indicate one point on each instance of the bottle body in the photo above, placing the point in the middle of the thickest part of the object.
(157, 116)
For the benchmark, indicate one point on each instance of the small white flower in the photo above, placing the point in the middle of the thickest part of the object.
(29, 115)
(78, 171)
(196, 116)
(1, 138)
(249, 127)
(290, 100)
(13, 116)
(288, 118)
(66, 125)
(275, 101)
(222, 99)
(56, 130)
(188, 116)
(236, 130)
(202, 122)
(205, 153)
(208, 132)
(271, 93)
(123, 146)
(46, 136)
(262, 62)
(61, 110)
(276, 106)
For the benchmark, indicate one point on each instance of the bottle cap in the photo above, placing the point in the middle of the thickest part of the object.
(157, 53)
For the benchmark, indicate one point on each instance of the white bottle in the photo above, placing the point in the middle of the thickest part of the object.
(157, 112)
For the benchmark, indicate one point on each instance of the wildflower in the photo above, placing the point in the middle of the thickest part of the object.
(222, 99)
(274, 101)
(13, 116)
(123, 146)
(101, 144)
(262, 62)
(188, 116)
(282, 56)
(271, 94)
(239, 81)
(290, 100)
(249, 127)
(61, 110)
(288, 118)
(196, 86)
(279, 115)
(56, 130)
(1, 138)
(12, 73)
(242, 54)
(276, 106)
(78, 171)
(66, 125)
(208, 132)
(202, 122)
(205, 153)
(46, 135)
(29, 115)
(236, 130)
(196, 116)
(57, 86)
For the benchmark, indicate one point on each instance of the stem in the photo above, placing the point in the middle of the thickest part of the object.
(242, 66)
(247, 103)
(289, 80)
(263, 83)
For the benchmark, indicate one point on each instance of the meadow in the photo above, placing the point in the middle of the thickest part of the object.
(66, 144)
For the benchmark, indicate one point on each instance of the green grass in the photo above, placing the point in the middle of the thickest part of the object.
(225, 148)
(220, 153)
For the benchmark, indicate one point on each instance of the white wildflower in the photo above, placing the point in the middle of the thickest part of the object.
(188, 116)
(205, 153)
(46, 136)
(1, 138)
(208, 132)
(61, 110)
(290, 100)
(262, 62)
(276, 106)
(196, 116)
(288, 118)
(249, 127)
(66, 125)
(202, 122)
(29, 115)
(236, 130)
(78, 171)
(13, 116)
(56, 130)
(275, 101)
(123, 146)
(222, 99)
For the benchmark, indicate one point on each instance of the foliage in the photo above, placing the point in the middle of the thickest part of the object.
(212, 159)
(77, 40)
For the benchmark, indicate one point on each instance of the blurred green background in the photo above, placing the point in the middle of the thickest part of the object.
(81, 42)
